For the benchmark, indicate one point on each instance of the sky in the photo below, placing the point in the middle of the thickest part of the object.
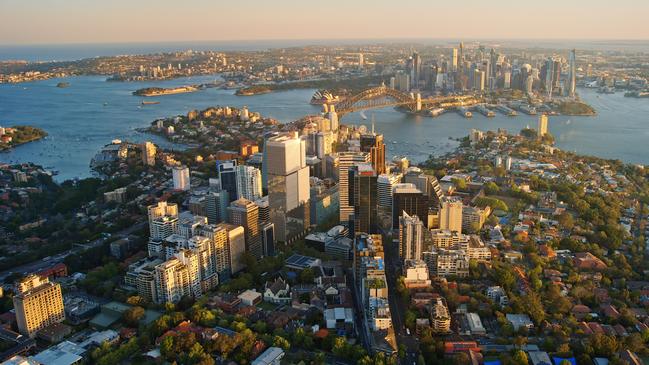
(113, 21)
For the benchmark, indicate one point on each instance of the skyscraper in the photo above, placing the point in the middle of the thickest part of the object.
(542, 128)
(407, 198)
(248, 182)
(148, 153)
(216, 205)
(384, 185)
(38, 303)
(572, 81)
(411, 237)
(450, 215)
(228, 177)
(372, 143)
(345, 161)
(288, 185)
(181, 178)
(363, 196)
(245, 213)
(453, 63)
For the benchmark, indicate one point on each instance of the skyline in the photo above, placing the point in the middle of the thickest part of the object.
(79, 22)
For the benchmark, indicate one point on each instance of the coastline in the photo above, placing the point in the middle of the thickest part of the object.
(36, 135)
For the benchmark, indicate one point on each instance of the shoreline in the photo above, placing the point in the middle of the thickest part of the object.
(39, 134)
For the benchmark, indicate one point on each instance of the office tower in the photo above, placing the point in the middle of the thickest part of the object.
(478, 80)
(163, 220)
(372, 143)
(333, 117)
(572, 81)
(507, 80)
(148, 153)
(427, 184)
(363, 196)
(228, 177)
(407, 198)
(245, 213)
(384, 185)
(459, 80)
(529, 84)
(172, 279)
(288, 185)
(411, 237)
(542, 128)
(264, 162)
(402, 81)
(324, 143)
(181, 178)
(216, 205)
(549, 74)
(345, 161)
(361, 60)
(450, 215)
(416, 70)
(453, 65)
(236, 246)
(38, 303)
(248, 182)
(268, 238)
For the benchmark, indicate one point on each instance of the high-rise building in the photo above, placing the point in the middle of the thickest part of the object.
(572, 77)
(407, 198)
(542, 128)
(163, 220)
(288, 186)
(248, 182)
(450, 215)
(38, 303)
(148, 153)
(173, 281)
(415, 74)
(345, 161)
(363, 196)
(333, 117)
(236, 246)
(372, 143)
(181, 178)
(402, 81)
(245, 213)
(384, 185)
(411, 237)
(216, 205)
(228, 177)
(453, 65)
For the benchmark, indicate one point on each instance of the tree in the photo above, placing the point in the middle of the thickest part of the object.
(279, 341)
(565, 220)
(132, 316)
(491, 188)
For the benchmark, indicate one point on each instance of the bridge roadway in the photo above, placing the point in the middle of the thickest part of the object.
(383, 96)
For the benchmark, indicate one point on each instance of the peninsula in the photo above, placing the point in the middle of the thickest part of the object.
(14, 136)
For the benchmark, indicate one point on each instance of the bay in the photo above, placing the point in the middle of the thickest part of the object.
(91, 112)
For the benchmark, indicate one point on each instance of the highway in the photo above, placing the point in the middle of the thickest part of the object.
(397, 307)
(41, 264)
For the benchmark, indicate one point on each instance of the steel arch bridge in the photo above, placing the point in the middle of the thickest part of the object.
(377, 97)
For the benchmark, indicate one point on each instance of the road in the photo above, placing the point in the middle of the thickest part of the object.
(41, 264)
(397, 306)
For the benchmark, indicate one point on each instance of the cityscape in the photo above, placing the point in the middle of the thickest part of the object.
(407, 200)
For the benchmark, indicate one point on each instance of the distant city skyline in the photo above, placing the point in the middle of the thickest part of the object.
(80, 21)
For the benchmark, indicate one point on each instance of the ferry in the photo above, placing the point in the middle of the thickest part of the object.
(436, 112)
(150, 102)
(464, 112)
(482, 109)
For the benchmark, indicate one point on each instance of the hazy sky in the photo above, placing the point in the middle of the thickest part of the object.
(88, 21)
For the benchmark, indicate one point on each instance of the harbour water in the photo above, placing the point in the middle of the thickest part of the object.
(88, 114)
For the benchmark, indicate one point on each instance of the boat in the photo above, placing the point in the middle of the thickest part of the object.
(606, 90)
(436, 112)
(464, 112)
(527, 109)
(150, 102)
(363, 115)
(63, 84)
